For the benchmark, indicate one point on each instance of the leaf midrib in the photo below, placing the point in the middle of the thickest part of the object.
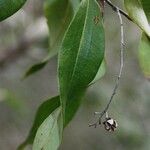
(79, 49)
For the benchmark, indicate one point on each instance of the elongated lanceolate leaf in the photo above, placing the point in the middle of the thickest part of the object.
(136, 12)
(144, 55)
(80, 56)
(58, 14)
(9, 7)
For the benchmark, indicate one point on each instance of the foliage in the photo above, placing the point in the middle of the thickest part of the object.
(43, 112)
(77, 34)
(58, 14)
(80, 56)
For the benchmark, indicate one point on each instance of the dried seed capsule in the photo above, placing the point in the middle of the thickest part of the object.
(110, 124)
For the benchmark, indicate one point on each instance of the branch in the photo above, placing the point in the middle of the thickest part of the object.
(121, 62)
(115, 8)
(119, 75)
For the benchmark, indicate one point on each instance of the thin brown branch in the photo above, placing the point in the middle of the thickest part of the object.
(101, 114)
(121, 62)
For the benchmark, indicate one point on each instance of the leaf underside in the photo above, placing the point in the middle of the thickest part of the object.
(136, 12)
(45, 109)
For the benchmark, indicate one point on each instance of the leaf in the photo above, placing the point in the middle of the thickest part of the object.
(80, 56)
(136, 12)
(144, 55)
(144, 48)
(43, 112)
(84, 58)
(58, 14)
(9, 7)
(49, 134)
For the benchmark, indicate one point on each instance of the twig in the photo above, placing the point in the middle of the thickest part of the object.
(119, 75)
(115, 8)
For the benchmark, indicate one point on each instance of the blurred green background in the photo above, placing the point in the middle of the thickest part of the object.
(24, 41)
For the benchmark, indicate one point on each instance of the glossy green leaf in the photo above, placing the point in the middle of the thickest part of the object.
(144, 55)
(80, 56)
(9, 7)
(49, 134)
(136, 12)
(43, 112)
(58, 14)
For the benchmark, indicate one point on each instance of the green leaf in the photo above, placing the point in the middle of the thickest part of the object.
(49, 134)
(9, 7)
(136, 12)
(43, 112)
(80, 56)
(144, 55)
(144, 48)
(58, 14)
